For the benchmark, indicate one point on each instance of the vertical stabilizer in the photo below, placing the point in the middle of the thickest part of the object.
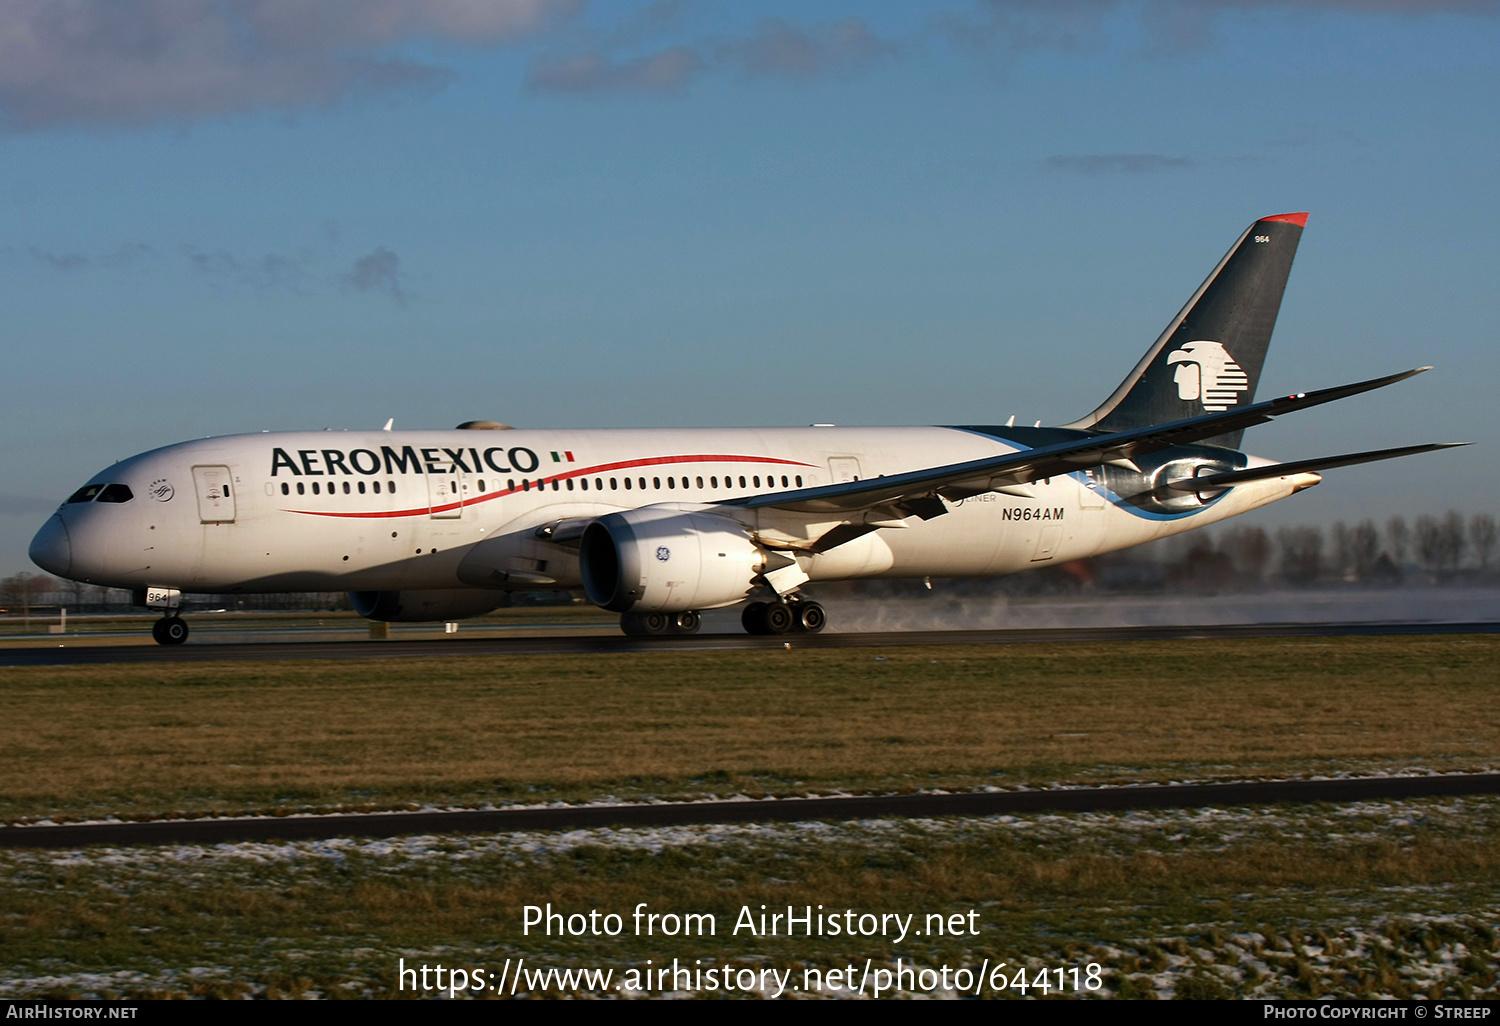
(1210, 356)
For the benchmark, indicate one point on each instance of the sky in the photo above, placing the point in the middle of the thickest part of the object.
(220, 216)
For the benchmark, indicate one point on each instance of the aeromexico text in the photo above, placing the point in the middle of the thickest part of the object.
(406, 460)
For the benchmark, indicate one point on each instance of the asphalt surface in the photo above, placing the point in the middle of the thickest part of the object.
(987, 803)
(68, 655)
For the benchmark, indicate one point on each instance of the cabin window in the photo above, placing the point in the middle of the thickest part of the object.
(742, 480)
(670, 481)
(390, 486)
(116, 493)
(315, 488)
(554, 484)
(598, 484)
(627, 483)
(346, 487)
(783, 481)
(583, 483)
(377, 487)
(525, 486)
(301, 489)
(756, 479)
(642, 483)
(713, 482)
(481, 484)
(799, 480)
(361, 488)
(285, 490)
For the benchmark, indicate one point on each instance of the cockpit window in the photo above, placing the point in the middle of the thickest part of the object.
(86, 493)
(115, 493)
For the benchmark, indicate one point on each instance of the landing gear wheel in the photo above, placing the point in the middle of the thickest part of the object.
(811, 618)
(779, 619)
(753, 619)
(641, 625)
(686, 623)
(170, 630)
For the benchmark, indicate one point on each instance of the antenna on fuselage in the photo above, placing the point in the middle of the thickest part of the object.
(389, 424)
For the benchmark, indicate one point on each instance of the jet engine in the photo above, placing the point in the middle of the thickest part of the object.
(424, 606)
(666, 560)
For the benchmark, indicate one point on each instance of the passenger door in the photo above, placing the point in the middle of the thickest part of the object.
(215, 495)
(445, 492)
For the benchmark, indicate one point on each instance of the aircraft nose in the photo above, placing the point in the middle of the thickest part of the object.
(50, 549)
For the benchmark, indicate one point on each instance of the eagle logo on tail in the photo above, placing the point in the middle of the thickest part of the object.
(1206, 372)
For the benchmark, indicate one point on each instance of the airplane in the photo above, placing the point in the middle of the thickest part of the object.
(659, 525)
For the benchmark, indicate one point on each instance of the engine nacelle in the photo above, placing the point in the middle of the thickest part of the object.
(666, 560)
(421, 606)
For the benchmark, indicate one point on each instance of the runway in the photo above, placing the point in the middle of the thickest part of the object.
(986, 803)
(67, 655)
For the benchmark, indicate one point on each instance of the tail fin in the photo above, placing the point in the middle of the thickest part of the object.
(1209, 357)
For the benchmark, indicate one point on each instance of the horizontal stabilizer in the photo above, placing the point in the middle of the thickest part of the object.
(1213, 482)
(1028, 465)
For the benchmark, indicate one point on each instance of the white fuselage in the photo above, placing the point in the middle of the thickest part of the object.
(383, 510)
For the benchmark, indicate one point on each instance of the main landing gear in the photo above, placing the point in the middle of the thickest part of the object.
(170, 630)
(784, 617)
(642, 625)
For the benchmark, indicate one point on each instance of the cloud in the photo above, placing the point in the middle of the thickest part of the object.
(65, 262)
(1167, 26)
(1118, 163)
(775, 49)
(782, 50)
(127, 254)
(651, 20)
(665, 72)
(264, 273)
(379, 271)
(132, 62)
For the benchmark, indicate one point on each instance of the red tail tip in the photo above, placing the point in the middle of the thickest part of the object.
(1300, 220)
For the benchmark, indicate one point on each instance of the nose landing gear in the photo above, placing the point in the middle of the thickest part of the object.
(170, 630)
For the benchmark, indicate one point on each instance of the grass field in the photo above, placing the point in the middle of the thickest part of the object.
(1379, 898)
(229, 737)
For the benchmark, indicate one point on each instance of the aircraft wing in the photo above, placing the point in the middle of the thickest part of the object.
(916, 493)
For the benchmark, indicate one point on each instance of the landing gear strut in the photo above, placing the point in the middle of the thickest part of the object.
(794, 616)
(642, 625)
(170, 630)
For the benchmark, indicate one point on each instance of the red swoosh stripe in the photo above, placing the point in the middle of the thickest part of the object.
(603, 468)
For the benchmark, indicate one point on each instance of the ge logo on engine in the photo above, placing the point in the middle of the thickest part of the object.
(663, 553)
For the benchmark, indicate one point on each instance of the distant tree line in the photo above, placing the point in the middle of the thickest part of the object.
(1429, 550)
